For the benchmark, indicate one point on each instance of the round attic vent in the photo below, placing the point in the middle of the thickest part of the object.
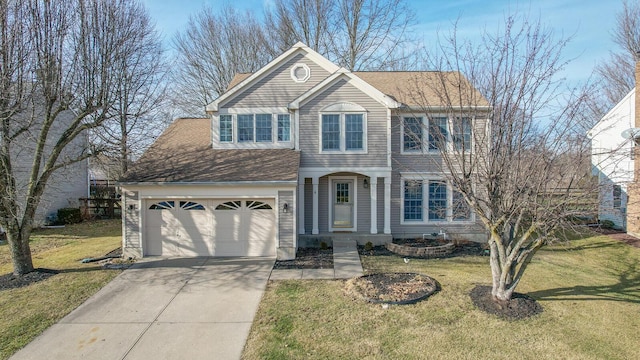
(300, 73)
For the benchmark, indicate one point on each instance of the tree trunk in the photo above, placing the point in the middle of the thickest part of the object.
(501, 289)
(20, 250)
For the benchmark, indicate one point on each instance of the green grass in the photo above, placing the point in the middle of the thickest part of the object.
(589, 288)
(26, 312)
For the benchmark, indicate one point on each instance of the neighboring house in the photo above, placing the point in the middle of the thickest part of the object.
(66, 185)
(612, 160)
(299, 152)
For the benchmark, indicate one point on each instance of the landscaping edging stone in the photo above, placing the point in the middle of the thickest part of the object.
(421, 252)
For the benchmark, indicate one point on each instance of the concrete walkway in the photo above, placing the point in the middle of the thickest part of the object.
(346, 264)
(182, 308)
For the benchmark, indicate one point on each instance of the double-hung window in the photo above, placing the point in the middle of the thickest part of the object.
(412, 130)
(427, 201)
(413, 200)
(437, 133)
(617, 196)
(343, 132)
(331, 132)
(226, 128)
(254, 128)
(354, 132)
(245, 128)
(460, 210)
(437, 200)
(461, 133)
(263, 128)
(284, 127)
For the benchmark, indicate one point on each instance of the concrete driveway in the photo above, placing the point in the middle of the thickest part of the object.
(182, 308)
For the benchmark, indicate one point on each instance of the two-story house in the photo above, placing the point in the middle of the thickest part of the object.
(612, 159)
(303, 151)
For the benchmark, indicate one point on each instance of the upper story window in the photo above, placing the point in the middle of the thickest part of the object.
(264, 131)
(226, 128)
(245, 128)
(461, 133)
(344, 132)
(254, 128)
(412, 134)
(440, 132)
(284, 127)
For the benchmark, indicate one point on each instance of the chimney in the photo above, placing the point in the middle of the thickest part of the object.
(637, 99)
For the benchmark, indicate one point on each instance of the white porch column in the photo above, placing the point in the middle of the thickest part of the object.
(315, 181)
(387, 205)
(373, 191)
(301, 230)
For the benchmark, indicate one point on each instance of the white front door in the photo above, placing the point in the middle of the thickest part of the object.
(343, 204)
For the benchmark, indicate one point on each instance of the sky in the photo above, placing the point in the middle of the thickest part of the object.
(588, 22)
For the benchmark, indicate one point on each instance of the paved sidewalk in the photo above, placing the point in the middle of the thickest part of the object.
(179, 308)
(346, 264)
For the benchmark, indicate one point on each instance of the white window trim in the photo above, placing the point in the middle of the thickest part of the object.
(276, 127)
(343, 139)
(424, 149)
(218, 132)
(425, 203)
(306, 70)
(235, 144)
(412, 152)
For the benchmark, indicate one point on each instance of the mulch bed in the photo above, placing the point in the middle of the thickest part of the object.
(470, 249)
(394, 288)
(627, 239)
(308, 258)
(519, 307)
(11, 281)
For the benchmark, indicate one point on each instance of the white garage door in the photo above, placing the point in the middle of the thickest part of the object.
(210, 227)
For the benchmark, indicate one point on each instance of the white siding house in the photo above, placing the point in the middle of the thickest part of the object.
(612, 160)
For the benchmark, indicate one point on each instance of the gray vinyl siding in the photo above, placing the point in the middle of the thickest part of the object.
(364, 206)
(308, 206)
(285, 221)
(381, 205)
(132, 242)
(277, 89)
(323, 204)
(430, 162)
(422, 163)
(342, 91)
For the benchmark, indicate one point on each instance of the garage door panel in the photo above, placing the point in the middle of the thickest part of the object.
(211, 228)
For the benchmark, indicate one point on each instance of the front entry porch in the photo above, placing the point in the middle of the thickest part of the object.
(350, 201)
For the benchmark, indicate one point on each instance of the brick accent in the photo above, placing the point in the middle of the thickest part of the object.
(633, 190)
(421, 252)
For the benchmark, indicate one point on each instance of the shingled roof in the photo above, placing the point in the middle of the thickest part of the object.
(415, 88)
(183, 154)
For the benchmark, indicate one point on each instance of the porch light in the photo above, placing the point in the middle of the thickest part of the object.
(366, 183)
(285, 208)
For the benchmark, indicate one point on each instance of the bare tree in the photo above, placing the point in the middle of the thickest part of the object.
(617, 72)
(357, 34)
(309, 21)
(212, 49)
(57, 80)
(370, 33)
(139, 89)
(512, 149)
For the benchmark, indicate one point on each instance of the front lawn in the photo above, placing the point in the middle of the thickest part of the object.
(26, 312)
(589, 289)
